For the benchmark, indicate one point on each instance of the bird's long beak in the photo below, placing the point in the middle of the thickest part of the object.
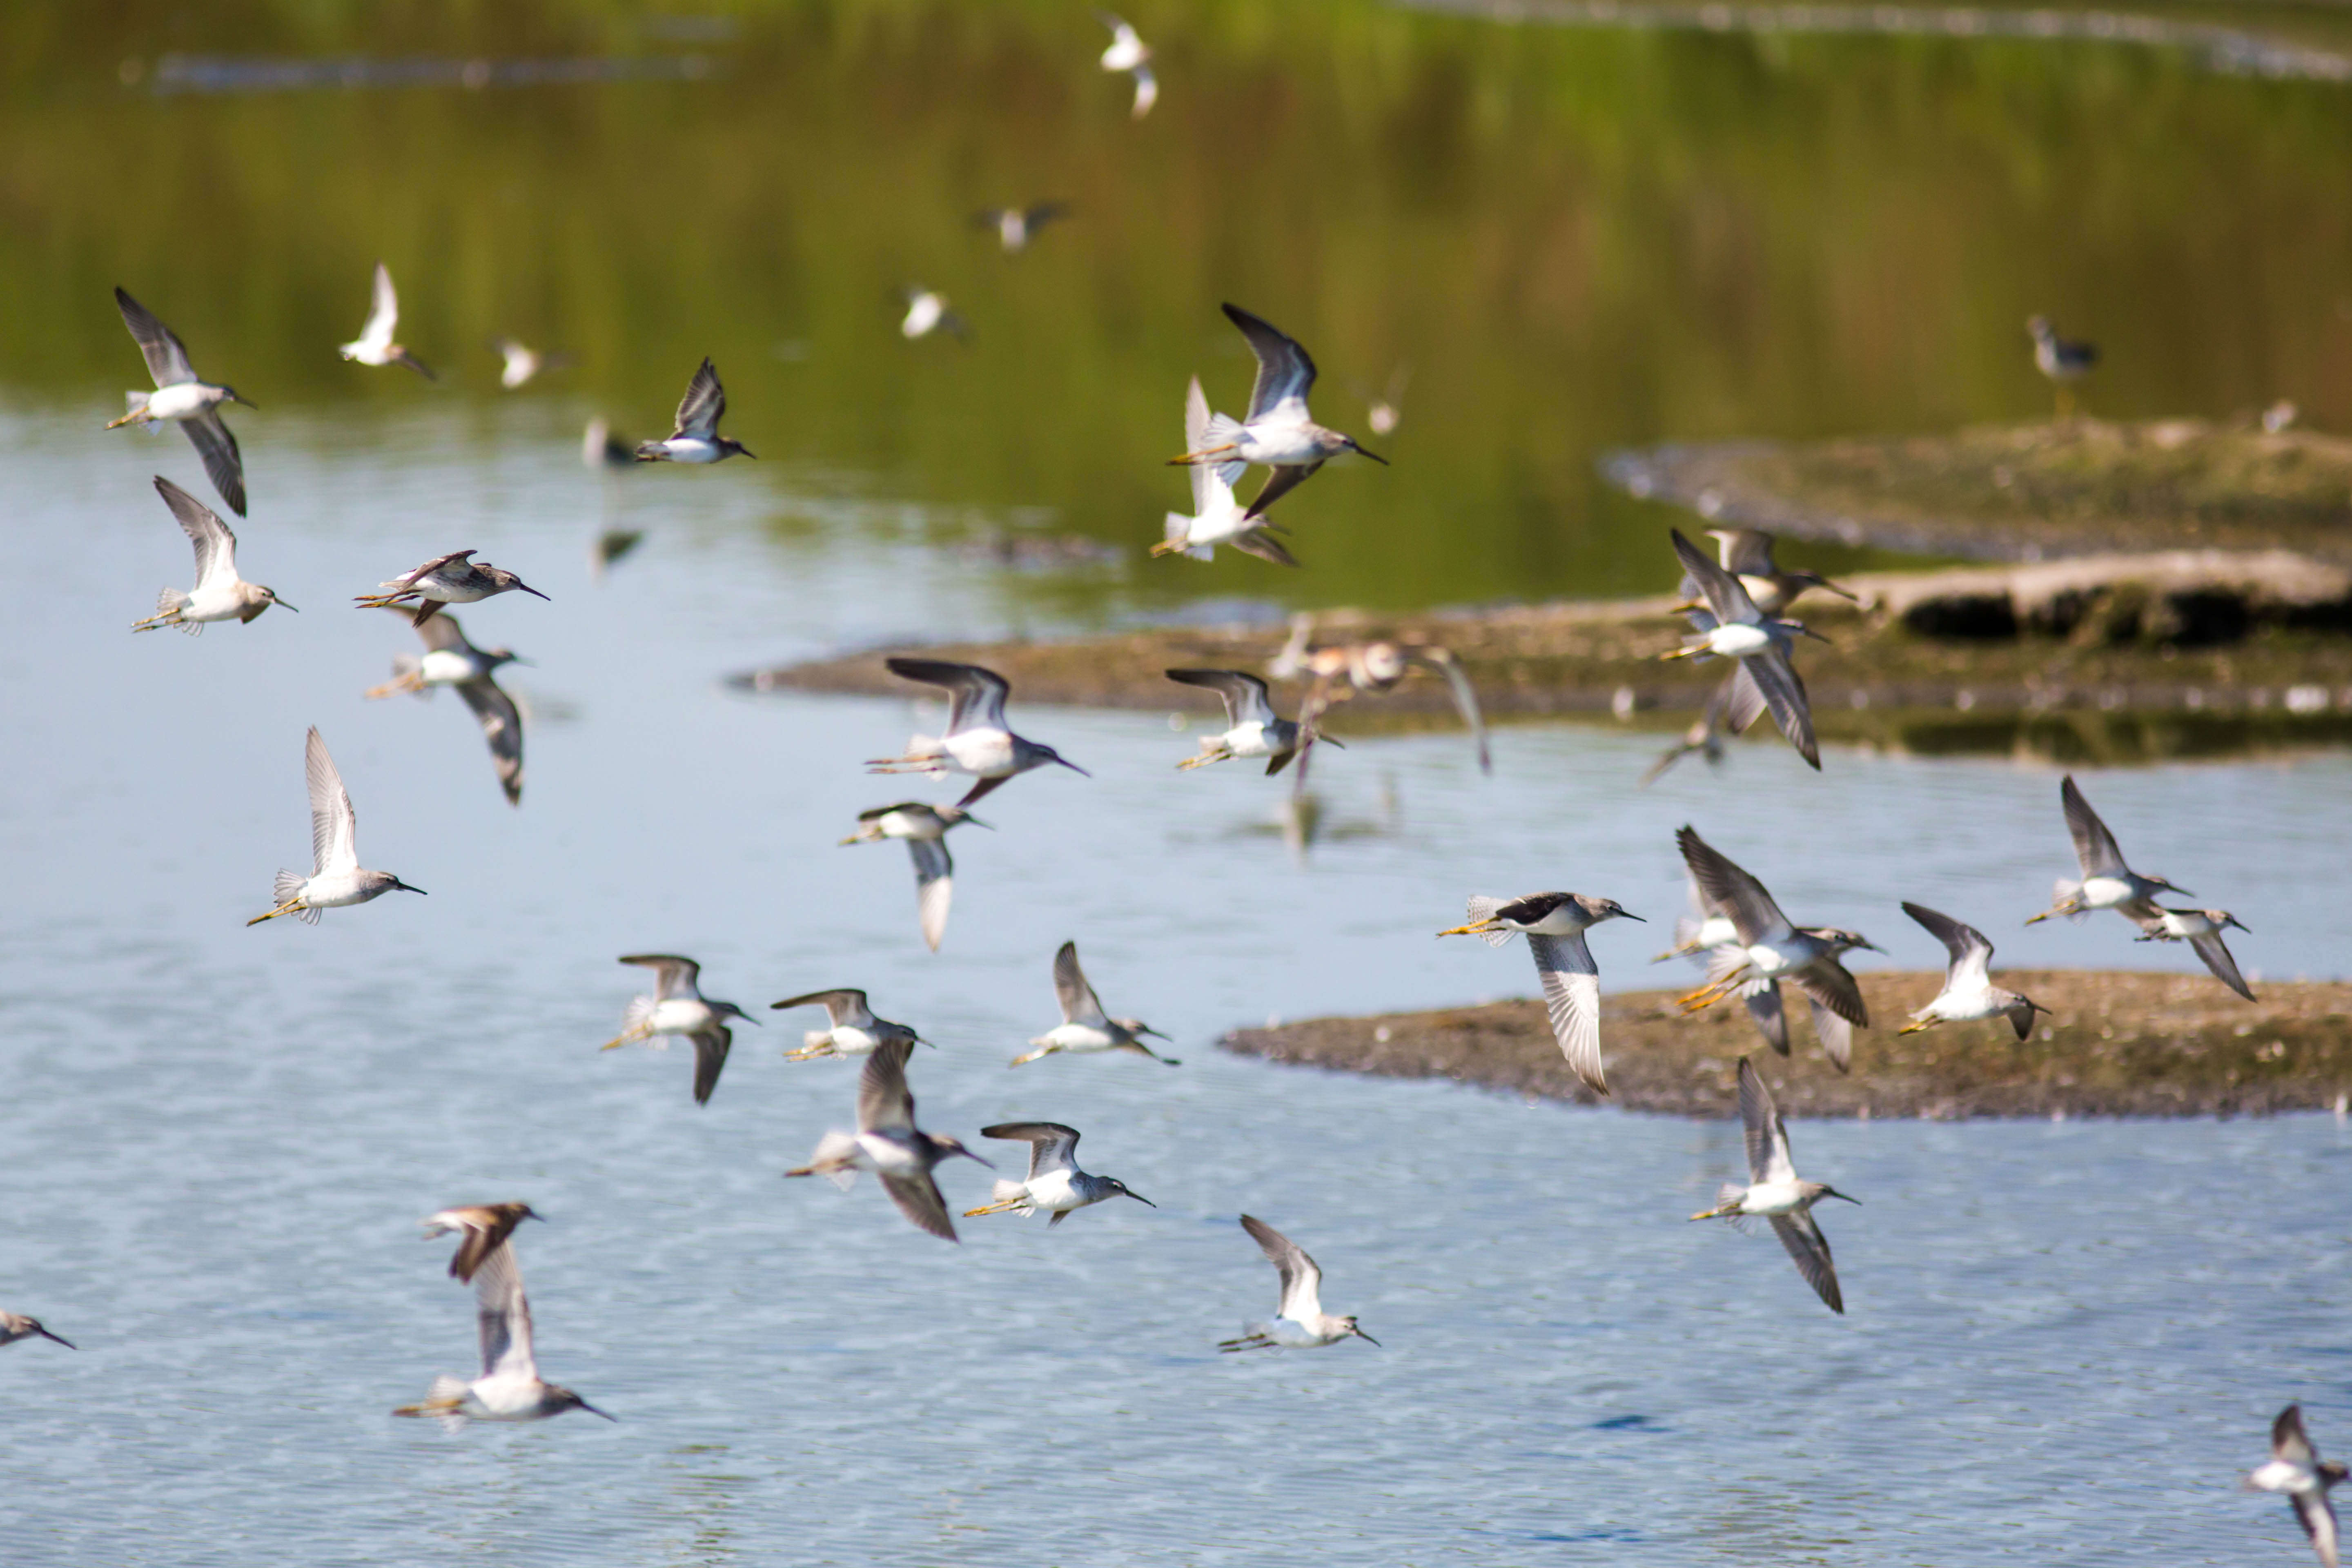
(606, 1413)
(1074, 767)
(1147, 1029)
(1833, 1192)
(1359, 1332)
(537, 594)
(970, 1155)
(517, 658)
(282, 603)
(71, 1346)
(990, 826)
(404, 888)
(2234, 921)
(1630, 915)
(743, 451)
(1147, 1202)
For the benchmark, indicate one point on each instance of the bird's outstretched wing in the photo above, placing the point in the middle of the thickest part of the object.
(334, 826)
(704, 404)
(673, 976)
(1972, 954)
(884, 1102)
(215, 545)
(1811, 1250)
(215, 445)
(166, 356)
(1730, 889)
(1302, 1281)
(1079, 1003)
(504, 1314)
(1052, 1146)
(2094, 846)
(1284, 373)
(976, 696)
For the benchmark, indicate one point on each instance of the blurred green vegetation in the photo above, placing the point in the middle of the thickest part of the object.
(1576, 239)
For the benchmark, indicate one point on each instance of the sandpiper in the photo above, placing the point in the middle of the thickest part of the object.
(1217, 518)
(336, 879)
(1016, 227)
(1709, 937)
(852, 1028)
(1278, 432)
(220, 594)
(1383, 411)
(1337, 671)
(927, 312)
(1085, 1027)
(2063, 361)
(1054, 1184)
(452, 579)
(1776, 1193)
(888, 1143)
(1130, 54)
(2296, 1470)
(1555, 925)
(1968, 993)
(1731, 627)
(924, 827)
(677, 1007)
(976, 743)
(1747, 554)
(482, 1229)
(1706, 734)
(510, 1388)
(1768, 950)
(14, 1326)
(1253, 729)
(374, 344)
(694, 436)
(523, 363)
(2107, 883)
(602, 451)
(184, 398)
(450, 660)
(1299, 1321)
(2202, 930)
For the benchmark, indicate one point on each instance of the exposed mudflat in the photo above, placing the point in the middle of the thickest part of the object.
(2123, 1043)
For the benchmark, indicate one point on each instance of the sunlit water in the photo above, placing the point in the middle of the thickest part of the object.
(2063, 1339)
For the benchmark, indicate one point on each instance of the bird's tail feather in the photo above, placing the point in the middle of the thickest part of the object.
(1483, 907)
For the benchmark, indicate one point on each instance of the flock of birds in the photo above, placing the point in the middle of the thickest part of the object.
(1735, 604)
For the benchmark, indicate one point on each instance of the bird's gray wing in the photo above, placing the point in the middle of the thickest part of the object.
(1767, 1137)
(1196, 437)
(166, 356)
(710, 1048)
(504, 1315)
(2318, 1516)
(1835, 1033)
(1284, 373)
(2288, 1440)
(1258, 541)
(699, 411)
(673, 976)
(1043, 213)
(209, 434)
(482, 1230)
(441, 634)
(1746, 551)
(1052, 1146)
(334, 826)
(934, 887)
(1311, 709)
(2216, 954)
(1280, 482)
(1245, 694)
(1465, 696)
(883, 1099)
(1079, 1003)
(2094, 846)
(1302, 1281)
(1771, 1018)
(1743, 700)
(1784, 691)
(383, 308)
(976, 695)
(1721, 590)
(215, 545)
(1729, 888)
(918, 1199)
(411, 578)
(501, 725)
(841, 1004)
(1971, 960)
(1810, 1250)
(1571, 988)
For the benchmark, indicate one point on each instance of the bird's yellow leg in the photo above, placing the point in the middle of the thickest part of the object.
(629, 1036)
(413, 681)
(289, 907)
(998, 1207)
(1915, 1029)
(136, 417)
(1476, 928)
(1202, 456)
(1204, 759)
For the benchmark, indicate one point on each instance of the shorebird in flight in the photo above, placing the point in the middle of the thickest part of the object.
(1385, 410)
(851, 1029)
(927, 312)
(976, 742)
(2296, 1471)
(1732, 626)
(1016, 227)
(1767, 949)
(888, 1143)
(1054, 1184)
(2063, 361)
(2202, 930)
(14, 1326)
(1130, 54)
(1279, 432)
(694, 436)
(336, 880)
(1253, 729)
(1299, 1322)
(677, 1007)
(1705, 735)
(510, 1387)
(2107, 883)
(924, 828)
(1968, 993)
(452, 579)
(1775, 1192)
(1555, 925)
(1217, 516)
(374, 344)
(220, 594)
(1747, 554)
(184, 398)
(450, 660)
(1337, 671)
(1085, 1027)
(523, 363)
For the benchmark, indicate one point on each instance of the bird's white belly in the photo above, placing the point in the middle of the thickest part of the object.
(443, 667)
(1219, 525)
(367, 351)
(177, 401)
(1715, 930)
(691, 449)
(214, 603)
(448, 592)
(1769, 959)
(899, 825)
(502, 1397)
(1077, 1037)
(1280, 445)
(2105, 892)
(852, 1041)
(336, 890)
(985, 752)
(1291, 1332)
(1772, 1198)
(886, 1156)
(1966, 1006)
(678, 1015)
(922, 314)
(1247, 740)
(1053, 1193)
(1737, 639)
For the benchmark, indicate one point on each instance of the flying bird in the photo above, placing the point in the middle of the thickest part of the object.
(678, 1007)
(851, 1028)
(510, 1387)
(1775, 1192)
(220, 594)
(1278, 432)
(2107, 883)
(1016, 227)
(1299, 1322)
(482, 1229)
(694, 436)
(452, 579)
(1217, 516)
(1731, 627)
(1130, 54)
(336, 880)
(924, 827)
(927, 312)
(184, 398)
(1705, 735)
(374, 344)
(2296, 1470)
(450, 660)
(1085, 1027)
(1769, 948)
(976, 743)
(888, 1143)
(1337, 671)
(1054, 1184)
(2064, 363)
(2202, 930)
(1747, 554)
(1555, 925)
(1253, 729)
(523, 363)
(14, 1326)
(1968, 993)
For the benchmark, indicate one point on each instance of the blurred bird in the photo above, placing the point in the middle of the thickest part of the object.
(523, 363)
(927, 312)
(694, 437)
(1383, 411)
(2107, 883)
(601, 451)
(1555, 925)
(336, 880)
(452, 579)
(2296, 1471)
(1217, 516)
(1731, 627)
(1253, 729)
(1705, 737)
(851, 1029)
(374, 345)
(1278, 432)
(924, 828)
(450, 660)
(1337, 671)
(976, 743)
(888, 1143)
(220, 594)
(1747, 554)
(678, 1007)
(1016, 227)
(510, 1388)
(1054, 1184)
(14, 1326)
(184, 398)
(2202, 930)
(1776, 1192)
(1769, 949)
(1085, 1027)
(2063, 361)
(1299, 1322)
(1130, 54)
(483, 1229)
(1968, 993)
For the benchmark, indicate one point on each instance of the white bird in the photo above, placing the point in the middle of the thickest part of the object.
(851, 1029)
(14, 1326)
(1130, 53)
(2296, 1470)
(677, 1007)
(1731, 627)
(456, 578)
(336, 879)
(1054, 1184)
(1085, 1027)
(184, 398)
(1767, 949)
(976, 741)
(510, 1388)
(1299, 1322)
(1253, 729)
(1555, 925)
(1279, 432)
(523, 363)
(449, 659)
(2202, 930)
(924, 827)
(926, 312)
(1016, 227)
(1217, 516)
(1968, 993)
(220, 594)
(888, 1143)
(2107, 882)
(1776, 1192)
(694, 436)
(374, 344)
